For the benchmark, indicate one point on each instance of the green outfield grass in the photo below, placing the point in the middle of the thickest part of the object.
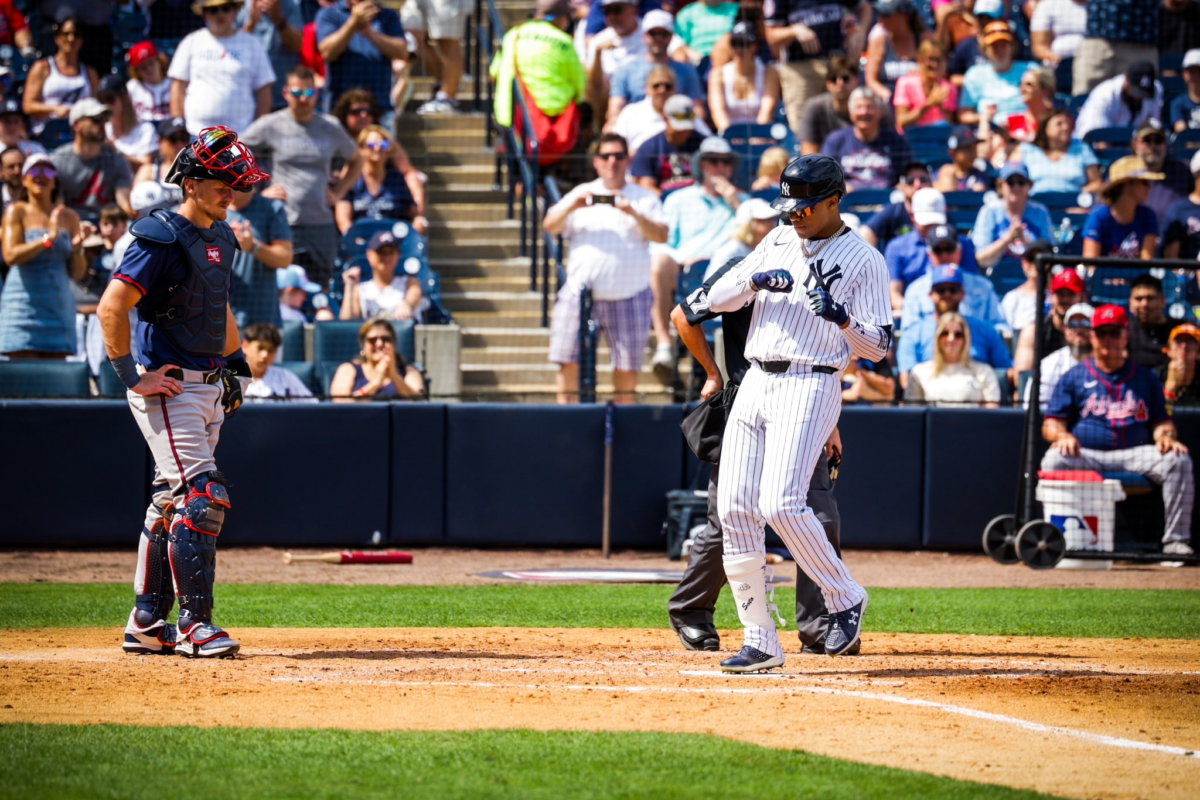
(66, 761)
(1100, 613)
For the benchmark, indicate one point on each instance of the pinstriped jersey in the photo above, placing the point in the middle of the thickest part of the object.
(783, 327)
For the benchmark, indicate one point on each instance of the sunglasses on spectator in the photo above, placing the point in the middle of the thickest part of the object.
(660, 33)
(948, 289)
(914, 180)
(612, 156)
(945, 250)
(45, 173)
(840, 79)
(1154, 139)
(306, 94)
(741, 44)
(377, 340)
(382, 146)
(1107, 332)
(360, 111)
(68, 34)
(222, 9)
(657, 86)
(615, 8)
(952, 335)
(1018, 183)
(722, 160)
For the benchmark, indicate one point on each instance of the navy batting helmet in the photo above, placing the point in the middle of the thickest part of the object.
(216, 154)
(807, 181)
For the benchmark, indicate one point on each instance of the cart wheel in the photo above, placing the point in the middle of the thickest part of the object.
(1000, 539)
(1041, 545)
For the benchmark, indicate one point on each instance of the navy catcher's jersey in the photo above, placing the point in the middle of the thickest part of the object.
(1109, 411)
(157, 271)
(735, 324)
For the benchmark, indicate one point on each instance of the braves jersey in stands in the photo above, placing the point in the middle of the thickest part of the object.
(784, 328)
(734, 324)
(1109, 411)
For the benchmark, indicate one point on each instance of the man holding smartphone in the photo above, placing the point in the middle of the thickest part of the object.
(610, 224)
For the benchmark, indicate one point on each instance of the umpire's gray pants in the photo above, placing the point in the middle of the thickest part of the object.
(1172, 471)
(695, 599)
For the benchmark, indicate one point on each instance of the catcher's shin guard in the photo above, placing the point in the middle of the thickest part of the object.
(193, 552)
(152, 581)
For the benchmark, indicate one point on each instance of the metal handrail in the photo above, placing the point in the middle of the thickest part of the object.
(522, 151)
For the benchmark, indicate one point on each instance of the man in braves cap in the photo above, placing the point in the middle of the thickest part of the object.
(1109, 414)
(1066, 289)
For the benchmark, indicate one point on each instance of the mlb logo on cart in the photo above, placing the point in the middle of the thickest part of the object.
(214, 254)
(1082, 530)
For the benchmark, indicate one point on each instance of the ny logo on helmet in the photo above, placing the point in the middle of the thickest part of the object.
(785, 190)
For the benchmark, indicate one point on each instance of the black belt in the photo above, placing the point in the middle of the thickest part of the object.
(777, 367)
(210, 377)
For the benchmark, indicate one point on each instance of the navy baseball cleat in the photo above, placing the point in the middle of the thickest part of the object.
(844, 629)
(751, 660)
(204, 640)
(698, 637)
(817, 648)
(145, 635)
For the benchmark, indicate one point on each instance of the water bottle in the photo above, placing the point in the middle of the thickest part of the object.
(1065, 234)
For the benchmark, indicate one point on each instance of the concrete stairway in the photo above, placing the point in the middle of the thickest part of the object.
(474, 247)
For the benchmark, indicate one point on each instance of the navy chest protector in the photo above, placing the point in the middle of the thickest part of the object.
(193, 314)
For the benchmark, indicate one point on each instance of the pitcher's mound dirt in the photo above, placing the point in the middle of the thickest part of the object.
(1084, 718)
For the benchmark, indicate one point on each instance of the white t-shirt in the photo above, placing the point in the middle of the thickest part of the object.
(1054, 366)
(631, 45)
(141, 141)
(375, 301)
(638, 121)
(608, 251)
(151, 103)
(958, 383)
(1065, 19)
(1019, 308)
(222, 76)
(277, 382)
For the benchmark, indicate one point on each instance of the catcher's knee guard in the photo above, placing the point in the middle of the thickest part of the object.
(193, 550)
(152, 583)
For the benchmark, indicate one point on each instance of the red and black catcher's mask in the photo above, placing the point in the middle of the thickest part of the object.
(216, 154)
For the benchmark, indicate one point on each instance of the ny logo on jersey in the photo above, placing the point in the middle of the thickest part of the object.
(214, 254)
(816, 275)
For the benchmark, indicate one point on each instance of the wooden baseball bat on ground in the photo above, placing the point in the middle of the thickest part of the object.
(350, 557)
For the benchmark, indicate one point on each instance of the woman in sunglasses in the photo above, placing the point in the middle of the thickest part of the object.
(220, 75)
(56, 83)
(1007, 228)
(357, 110)
(953, 377)
(43, 246)
(380, 191)
(378, 370)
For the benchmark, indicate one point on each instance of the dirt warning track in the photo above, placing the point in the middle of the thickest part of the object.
(1077, 717)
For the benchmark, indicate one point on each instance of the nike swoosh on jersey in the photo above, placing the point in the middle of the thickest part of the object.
(1088, 385)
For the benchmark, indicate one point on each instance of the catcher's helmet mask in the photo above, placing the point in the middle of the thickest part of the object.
(807, 181)
(216, 154)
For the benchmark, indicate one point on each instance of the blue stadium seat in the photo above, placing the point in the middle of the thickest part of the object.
(1006, 395)
(306, 371)
(57, 132)
(108, 382)
(866, 200)
(354, 241)
(1109, 144)
(48, 378)
(964, 200)
(928, 137)
(1006, 275)
(1063, 75)
(750, 141)
(1076, 103)
(1171, 63)
(128, 30)
(963, 218)
(336, 342)
(766, 194)
(1061, 201)
(293, 340)
(1185, 143)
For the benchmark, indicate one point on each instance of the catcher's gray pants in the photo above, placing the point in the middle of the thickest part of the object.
(695, 599)
(1172, 471)
(182, 432)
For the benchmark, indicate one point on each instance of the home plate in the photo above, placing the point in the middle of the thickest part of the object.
(593, 574)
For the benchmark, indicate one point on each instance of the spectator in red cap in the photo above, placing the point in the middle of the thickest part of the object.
(14, 29)
(1109, 414)
(1180, 378)
(1066, 289)
(149, 88)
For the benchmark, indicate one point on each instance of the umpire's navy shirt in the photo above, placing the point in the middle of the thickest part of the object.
(156, 271)
(1109, 411)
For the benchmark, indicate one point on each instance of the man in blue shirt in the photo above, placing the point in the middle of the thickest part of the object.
(944, 246)
(1181, 225)
(189, 377)
(917, 344)
(629, 81)
(896, 218)
(907, 255)
(1108, 414)
(1185, 109)
(359, 40)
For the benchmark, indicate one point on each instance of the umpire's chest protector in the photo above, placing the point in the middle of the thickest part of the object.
(194, 316)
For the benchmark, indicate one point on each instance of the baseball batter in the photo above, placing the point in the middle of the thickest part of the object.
(801, 340)
(176, 274)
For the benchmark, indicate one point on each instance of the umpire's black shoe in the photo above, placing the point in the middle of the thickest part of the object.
(844, 629)
(698, 637)
(817, 648)
(751, 659)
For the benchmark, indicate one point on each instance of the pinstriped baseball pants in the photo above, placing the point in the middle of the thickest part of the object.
(773, 439)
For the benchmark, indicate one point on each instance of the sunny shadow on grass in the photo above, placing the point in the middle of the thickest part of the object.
(1095, 613)
(69, 761)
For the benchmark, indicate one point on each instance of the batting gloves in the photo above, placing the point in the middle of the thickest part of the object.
(776, 280)
(823, 305)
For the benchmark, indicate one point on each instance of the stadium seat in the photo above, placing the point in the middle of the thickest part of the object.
(1063, 75)
(293, 340)
(924, 138)
(306, 371)
(108, 382)
(1022, 382)
(766, 194)
(1006, 276)
(57, 132)
(750, 141)
(336, 342)
(48, 378)
(1109, 144)
(1006, 395)
(965, 200)
(866, 201)
(1170, 63)
(1076, 103)
(1061, 201)
(963, 218)
(1185, 143)
(354, 241)
(128, 30)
